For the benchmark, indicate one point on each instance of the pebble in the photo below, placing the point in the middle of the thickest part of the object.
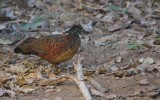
(111, 96)
(140, 60)
(118, 59)
(149, 60)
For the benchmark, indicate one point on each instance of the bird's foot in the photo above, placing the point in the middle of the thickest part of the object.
(53, 72)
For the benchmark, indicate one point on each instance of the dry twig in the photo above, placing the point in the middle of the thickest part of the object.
(81, 84)
(79, 80)
(60, 79)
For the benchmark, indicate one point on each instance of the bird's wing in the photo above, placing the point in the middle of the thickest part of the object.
(37, 51)
(44, 45)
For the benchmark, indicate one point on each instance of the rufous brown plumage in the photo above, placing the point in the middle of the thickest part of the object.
(53, 48)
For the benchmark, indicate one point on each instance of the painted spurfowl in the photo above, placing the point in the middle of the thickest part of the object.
(55, 48)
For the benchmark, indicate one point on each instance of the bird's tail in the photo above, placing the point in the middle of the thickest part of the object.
(24, 46)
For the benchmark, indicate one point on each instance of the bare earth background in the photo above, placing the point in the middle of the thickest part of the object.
(121, 49)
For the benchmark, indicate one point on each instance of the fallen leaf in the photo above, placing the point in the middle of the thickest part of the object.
(153, 94)
(21, 80)
(147, 23)
(138, 93)
(5, 42)
(101, 41)
(52, 90)
(110, 17)
(113, 28)
(10, 13)
(88, 27)
(29, 80)
(52, 76)
(40, 4)
(133, 46)
(18, 68)
(3, 76)
(31, 3)
(113, 69)
(27, 89)
(31, 75)
(35, 23)
(2, 26)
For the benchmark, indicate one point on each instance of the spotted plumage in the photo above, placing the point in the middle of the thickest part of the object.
(53, 48)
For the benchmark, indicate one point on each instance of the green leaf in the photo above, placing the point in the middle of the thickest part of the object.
(25, 26)
(113, 7)
(125, 11)
(38, 21)
(133, 46)
(2, 4)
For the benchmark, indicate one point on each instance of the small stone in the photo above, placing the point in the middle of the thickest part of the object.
(149, 60)
(88, 27)
(140, 60)
(111, 96)
(118, 59)
(144, 82)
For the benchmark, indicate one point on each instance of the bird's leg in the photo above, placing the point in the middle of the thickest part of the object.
(53, 69)
(49, 70)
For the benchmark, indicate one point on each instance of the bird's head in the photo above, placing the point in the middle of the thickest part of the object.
(76, 29)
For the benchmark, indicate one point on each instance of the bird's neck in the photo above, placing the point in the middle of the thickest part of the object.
(72, 32)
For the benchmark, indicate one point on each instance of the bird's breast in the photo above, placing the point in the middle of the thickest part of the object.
(60, 51)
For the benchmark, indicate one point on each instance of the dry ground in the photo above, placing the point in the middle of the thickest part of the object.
(123, 67)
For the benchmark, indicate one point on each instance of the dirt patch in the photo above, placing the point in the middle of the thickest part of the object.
(119, 48)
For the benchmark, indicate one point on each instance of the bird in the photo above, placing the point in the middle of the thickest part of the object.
(55, 48)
